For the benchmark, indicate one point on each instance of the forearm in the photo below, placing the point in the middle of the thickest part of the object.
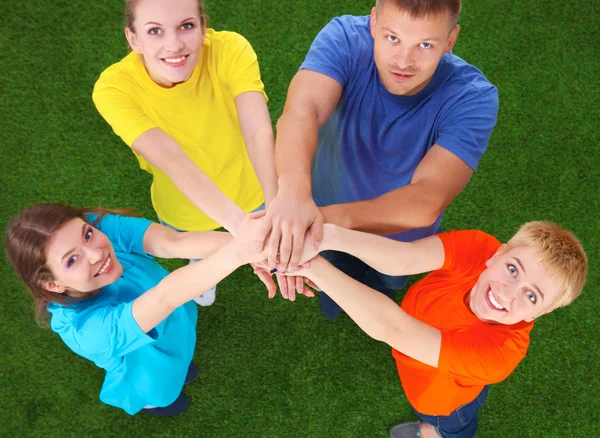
(411, 206)
(204, 194)
(388, 256)
(376, 314)
(297, 136)
(181, 286)
(194, 244)
(261, 151)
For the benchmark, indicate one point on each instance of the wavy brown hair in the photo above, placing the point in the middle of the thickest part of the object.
(25, 242)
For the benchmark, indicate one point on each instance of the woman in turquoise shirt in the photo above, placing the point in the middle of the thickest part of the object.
(93, 272)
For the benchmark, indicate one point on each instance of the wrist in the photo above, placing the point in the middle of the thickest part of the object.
(295, 184)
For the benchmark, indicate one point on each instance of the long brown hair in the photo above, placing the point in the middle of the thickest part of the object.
(25, 243)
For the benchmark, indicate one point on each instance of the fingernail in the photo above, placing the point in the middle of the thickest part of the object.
(272, 264)
(272, 271)
(281, 268)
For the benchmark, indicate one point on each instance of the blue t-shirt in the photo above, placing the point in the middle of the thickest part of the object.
(141, 368)
(374, 140)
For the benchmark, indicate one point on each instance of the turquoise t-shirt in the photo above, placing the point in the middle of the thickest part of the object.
(141, 368)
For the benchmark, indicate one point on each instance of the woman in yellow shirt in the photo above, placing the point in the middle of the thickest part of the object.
(190, 103)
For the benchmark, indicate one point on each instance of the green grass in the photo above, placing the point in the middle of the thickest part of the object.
(275, 368)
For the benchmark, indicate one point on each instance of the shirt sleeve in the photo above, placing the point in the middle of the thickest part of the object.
(111, 331)
(466, 251)
(475, 356)
(468, 124)
(240, 64)
(119, 108)
(126, 233)
(331, 52)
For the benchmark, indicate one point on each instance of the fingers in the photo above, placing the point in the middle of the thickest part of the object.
(316, 231)
(266, 278)
(285, 250)
(273, 246)
(298, 246)
(291, 284)
(283, 285)
(257, 214)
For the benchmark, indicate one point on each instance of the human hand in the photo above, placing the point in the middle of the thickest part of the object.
(254, 228)
(291, 214)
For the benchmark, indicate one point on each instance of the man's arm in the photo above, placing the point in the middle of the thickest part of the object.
(377, 315)
(311, 99)
(438, 179)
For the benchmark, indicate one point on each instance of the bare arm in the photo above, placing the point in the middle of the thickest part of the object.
(438, 179)
(386, 255)
(192, 280)
(164, 242)
(162, 151)
(310, 101)
(377, 315)
(255, 123)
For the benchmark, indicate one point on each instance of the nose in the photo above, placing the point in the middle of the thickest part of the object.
(94, 255)
(404, 58)
(506, 293)
(173, 42)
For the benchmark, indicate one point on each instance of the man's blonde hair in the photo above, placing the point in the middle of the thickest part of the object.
(560, 252)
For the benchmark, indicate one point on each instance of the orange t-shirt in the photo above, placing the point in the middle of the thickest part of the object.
(473, 353)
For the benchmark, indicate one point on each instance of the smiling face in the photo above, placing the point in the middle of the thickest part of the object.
(168, 35)
(515, 287)
(82, 260)
(408, 50)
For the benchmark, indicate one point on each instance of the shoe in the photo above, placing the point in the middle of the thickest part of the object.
(406, 430)
(207, 298)
(177, 407)
(192, 373)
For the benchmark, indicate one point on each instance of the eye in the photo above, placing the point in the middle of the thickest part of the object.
(71, 260)
(531, 296)
(187, 26)
(512, 269)
(425, 46)
(392, 38)
(88, 235)
(154, 31)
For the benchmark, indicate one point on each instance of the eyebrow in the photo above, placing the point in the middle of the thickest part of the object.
(158, 24)
(422, 39)
(525, 272)
(73, 249)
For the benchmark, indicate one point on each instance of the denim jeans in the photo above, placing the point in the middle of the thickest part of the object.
(361, 272)
(461, 423)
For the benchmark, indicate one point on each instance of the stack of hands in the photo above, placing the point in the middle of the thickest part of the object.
(287, 255)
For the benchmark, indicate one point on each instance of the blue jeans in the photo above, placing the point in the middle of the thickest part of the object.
(361, 272)
(461, 423)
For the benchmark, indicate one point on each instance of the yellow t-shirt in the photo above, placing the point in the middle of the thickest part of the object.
(199, 114)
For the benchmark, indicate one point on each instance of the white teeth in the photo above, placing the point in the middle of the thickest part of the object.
(494, 301)
(104, 266)
(174, 60)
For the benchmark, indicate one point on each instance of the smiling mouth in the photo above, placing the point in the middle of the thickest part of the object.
(491, 298)
(175, 61)
(105, 266)
(402, 76)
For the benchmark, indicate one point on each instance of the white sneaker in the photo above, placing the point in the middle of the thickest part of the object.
(207, 298)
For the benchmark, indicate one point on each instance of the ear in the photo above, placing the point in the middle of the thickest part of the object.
(52, 286)
(452, 38)
(495, 256)
(373, 21)
(132, 40)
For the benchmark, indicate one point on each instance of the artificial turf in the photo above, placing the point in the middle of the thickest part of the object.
(276, 368)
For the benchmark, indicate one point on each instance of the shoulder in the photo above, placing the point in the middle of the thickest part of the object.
(120, 73)
(220, 42)
(124, 232)
(467, 249)
(353, 30)
(462, 81)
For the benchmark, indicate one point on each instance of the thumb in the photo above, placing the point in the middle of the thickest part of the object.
(316, 232)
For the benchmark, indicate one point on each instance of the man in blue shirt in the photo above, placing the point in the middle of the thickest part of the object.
(383, 126)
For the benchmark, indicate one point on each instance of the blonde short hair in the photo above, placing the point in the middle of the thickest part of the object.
(561, 254)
